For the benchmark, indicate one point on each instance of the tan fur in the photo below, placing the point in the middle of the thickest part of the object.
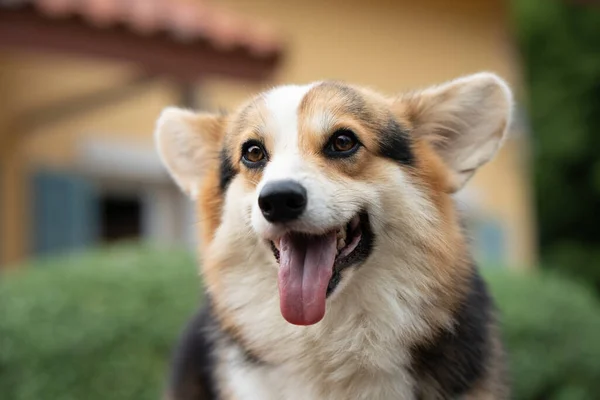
(404, 294)
(433, 178)
(210, 204)
(325, 110)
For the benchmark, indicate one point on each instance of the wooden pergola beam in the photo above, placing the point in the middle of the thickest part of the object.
(77, 104)
(156, 54)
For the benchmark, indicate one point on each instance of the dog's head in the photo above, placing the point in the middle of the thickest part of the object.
(327, 174)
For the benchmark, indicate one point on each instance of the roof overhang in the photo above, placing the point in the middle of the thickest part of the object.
(156, 53)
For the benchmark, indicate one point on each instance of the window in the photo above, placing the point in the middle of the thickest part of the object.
(120, 218)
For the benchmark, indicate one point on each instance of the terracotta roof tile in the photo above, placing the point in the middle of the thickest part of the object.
(185, 20)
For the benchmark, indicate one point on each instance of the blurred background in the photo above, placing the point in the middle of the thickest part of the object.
(97, 273)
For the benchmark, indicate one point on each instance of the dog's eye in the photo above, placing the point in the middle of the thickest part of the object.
(253, 153)
(343, 143)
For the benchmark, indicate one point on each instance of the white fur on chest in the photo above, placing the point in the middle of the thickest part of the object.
(258, 384)
(253, 382)
(359, 350)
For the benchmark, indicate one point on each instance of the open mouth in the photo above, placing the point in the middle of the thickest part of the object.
(310, 266)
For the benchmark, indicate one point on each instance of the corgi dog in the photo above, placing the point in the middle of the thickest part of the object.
(333, 258)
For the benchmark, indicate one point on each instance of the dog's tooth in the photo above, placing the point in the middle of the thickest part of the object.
(341, 243)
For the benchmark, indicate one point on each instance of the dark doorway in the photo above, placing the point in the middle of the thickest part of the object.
(120, 218)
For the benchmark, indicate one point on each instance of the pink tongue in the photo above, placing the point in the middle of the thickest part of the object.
(306, 266)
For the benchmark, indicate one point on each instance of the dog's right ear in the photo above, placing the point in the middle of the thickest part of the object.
(188, 144)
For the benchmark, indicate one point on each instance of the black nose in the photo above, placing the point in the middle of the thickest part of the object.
(282, 201)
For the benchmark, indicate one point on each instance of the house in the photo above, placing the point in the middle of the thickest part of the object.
(80, 167)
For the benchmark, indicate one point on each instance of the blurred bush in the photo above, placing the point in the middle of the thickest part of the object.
(102, 325)
(95, 326)
(551, 327)
(560, 44)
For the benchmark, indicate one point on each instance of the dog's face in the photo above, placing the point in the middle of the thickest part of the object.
(322, 175)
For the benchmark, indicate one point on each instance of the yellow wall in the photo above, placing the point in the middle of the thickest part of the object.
(389, 45)
(392, 45)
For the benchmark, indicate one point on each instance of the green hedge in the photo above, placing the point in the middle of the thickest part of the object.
(95, 326)
(101, 326)
(552, 330)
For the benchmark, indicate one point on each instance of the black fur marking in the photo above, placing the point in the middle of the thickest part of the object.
(193, 363)
(457, 358)
(226, 171)
(394, 143)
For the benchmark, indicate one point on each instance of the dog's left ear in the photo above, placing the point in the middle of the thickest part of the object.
(465, 120)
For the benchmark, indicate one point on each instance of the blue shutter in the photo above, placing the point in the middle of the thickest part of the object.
(490, 242)
(65, 213)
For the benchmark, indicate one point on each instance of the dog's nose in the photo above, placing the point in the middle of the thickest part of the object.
(282, 201)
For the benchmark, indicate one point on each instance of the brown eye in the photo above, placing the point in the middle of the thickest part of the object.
(253, 154)
(343, 143)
